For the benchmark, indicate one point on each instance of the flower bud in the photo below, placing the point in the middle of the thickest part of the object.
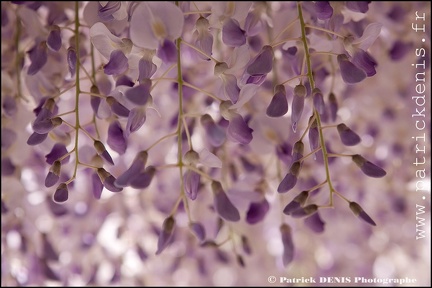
(222, 204)
(100, 149)
(315, 223)
(290, 178)
(348, 137)
(108, 180)
(61, 194)
(296, 203)
(198, 230)
(297, 105)
(368, 167)
(288, 245)
(279, 103)
(333, 105)
(257, 211)
(359, 212)
(53, 174)
(166, 234)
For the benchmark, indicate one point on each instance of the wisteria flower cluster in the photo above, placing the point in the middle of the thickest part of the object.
(168, 131)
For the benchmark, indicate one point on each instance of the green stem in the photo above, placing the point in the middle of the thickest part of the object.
(317, 116)
(77, 87)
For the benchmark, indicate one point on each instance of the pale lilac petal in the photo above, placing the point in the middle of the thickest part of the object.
(38, 56)
(205, 43)
(222, 204)
(313, 136)
(279, 103)
(288, 244)
(239, 131)
(116, 139)
(209, 159)
(191, 181)
(297, 105)
(56, 152)
(104, 41)
(117, 108)
(61, 194)
(166, 234)
(198, 230)
(262, 63)
(136, 120)
(105, 12)
(232, 34)
(253, 24)
(257, 211)
(349, 72)
(153, 21)
(118, 63)
(365, 61)
(246, 94)
(348, 137)
(323, 10)
(54, 40)
(370, 34)
(46, 125)
(167, 52)
(231, 88)
(315, 223)
(139, 94)
(146, 69)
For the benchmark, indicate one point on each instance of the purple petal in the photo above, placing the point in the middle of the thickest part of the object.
(400, 49)
(57, 151)
(296, 203)
(368, 168)
(239, 131)
(323, 10)
(222, 204)
(9, 106)
(257, 211)
(117, 108)
(349, 72)
(137, 166)
(315, 223)
(54, 40)
(136, 120)
(333, 106)
(232, 34)
(258, 80)
(61, 194)
(143, 180)
(146, 69)
(288, 245)
(313, 136)
(279, 103)
(116, 140)
(297, 105)
(125, 81)
(191, 183)
(365, 61)
(318, 101)
(38, 56)
(7, 167)
(108, 180)
(290, 178)
(304, 211)
(167, 52)
(198, 230)
(166, 234)
(8, 137)
(56, 209)
(51, 179)
(100, 149)
(215, 134)
(262, 63)
(358, 6)
(205, 43)
(252, 24)
(36, 138)
(283, 152)
(231, 88)
(139, 94)
(72, 60)
(359, 212)
(46, 125)
(117, 64)
(348, 137)
(97, 186)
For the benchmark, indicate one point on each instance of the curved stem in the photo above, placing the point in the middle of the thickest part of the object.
(324, 30)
